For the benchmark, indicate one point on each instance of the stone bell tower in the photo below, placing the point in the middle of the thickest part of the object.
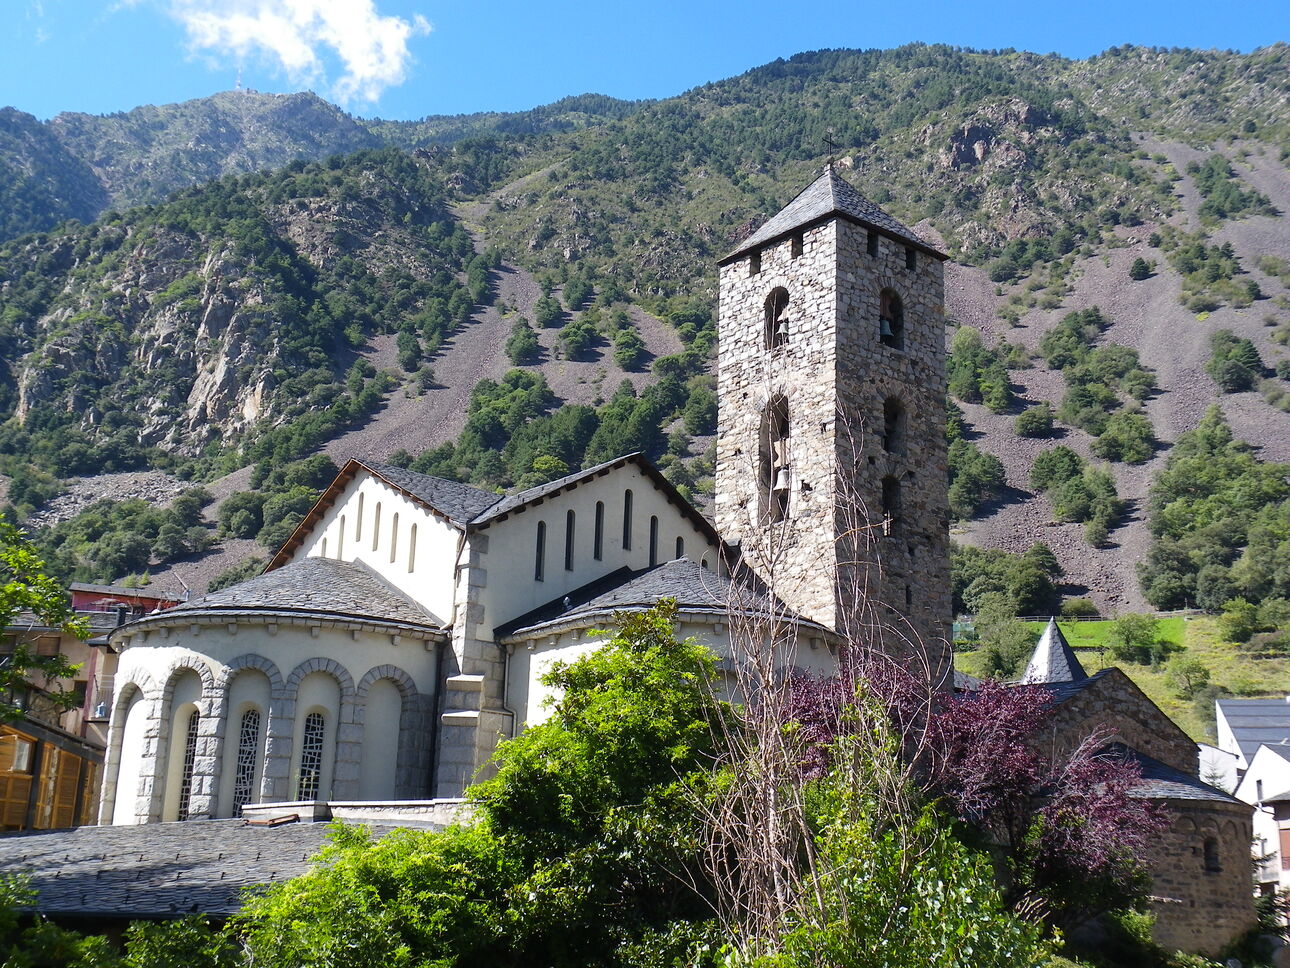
(831, 457)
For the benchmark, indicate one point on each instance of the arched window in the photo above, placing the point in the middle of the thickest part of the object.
(190, 759)
(394, 536)
(340, 538)
(376, 526)
(1211, 855)
(539, 562)
(311, 756)
(680, 547)
(776, 317)
(893, 426)
(627, 520)
(890, 505)
(324, 547)
(598, 539)
(412, 548)
(248, 750)
(653, 540)
(891, 320)
(358, 520)
(773, 470)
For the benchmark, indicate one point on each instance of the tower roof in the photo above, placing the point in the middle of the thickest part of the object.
(830, 195)
(1053, 660)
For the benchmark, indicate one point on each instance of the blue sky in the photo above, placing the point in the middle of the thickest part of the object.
(409, 58)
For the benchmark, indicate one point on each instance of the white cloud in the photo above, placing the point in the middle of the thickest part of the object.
(298, 34)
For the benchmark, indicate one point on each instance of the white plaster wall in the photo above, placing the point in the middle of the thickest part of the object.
(511, 589)
(183, 703)
(1226, 738)
(286, 646)
(532, 699)
(319, 693)
(433, 556)
(248, 690)
(378, 775)
(132, 752)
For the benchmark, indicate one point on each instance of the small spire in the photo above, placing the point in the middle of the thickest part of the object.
(1053, 659)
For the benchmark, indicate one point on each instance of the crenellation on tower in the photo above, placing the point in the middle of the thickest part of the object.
(831, 457)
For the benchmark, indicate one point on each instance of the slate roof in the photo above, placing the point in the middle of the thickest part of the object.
(313, 585)
(695, 589)
(830, 194)
(1062, 691)
(159, 869)
(459, 502)
(1257, 722)
(1162, 782)
(1053, 659)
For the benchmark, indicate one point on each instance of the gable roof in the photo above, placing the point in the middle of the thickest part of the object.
(340, 589)
(1257, 722)
(1053, 659)
(469, 508)
(695, 588)
(827, 196)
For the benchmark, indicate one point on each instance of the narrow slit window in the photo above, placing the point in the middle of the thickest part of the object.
(358, 520)
(1212, 863)
(539, 553)
(796, 246)
(653, 540)
(680, 547)
(890, 505)
(376, 526)
(190, 760)
(340, 538)
(412, 548)
(311, 756)
(873, 243)
(893, 426)
(754, 264)
(598, 538)
(324, 547)
(627, 520)
(394, 537)
(776, 318)
(248, 751)
(891, 320)
(569, 522)
(911, 258)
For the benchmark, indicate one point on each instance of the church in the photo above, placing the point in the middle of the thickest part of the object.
(405, 627)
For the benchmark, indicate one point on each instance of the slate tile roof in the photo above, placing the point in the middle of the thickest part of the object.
(828, 195)
(695, 589)
(1163, 782)
(1062, 691)
(1257, 722)
(159, 869)
(1053, 659)
(315, 585)
(510, 502)
(460, 502)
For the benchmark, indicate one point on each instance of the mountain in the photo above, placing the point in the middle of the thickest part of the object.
(369, 301)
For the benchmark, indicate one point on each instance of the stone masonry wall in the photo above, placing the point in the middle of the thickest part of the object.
(836, 559)
(1197, 908)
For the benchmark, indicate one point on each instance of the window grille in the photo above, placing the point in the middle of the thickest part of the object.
(311, 755)
(190, 759)
(248, 746)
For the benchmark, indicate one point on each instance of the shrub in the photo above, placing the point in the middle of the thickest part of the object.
(1140, 270)
(522, 345)
(1036, 421)
(1079, 608)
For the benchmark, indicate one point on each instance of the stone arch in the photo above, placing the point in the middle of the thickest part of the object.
(775, 313)
(773, 459)
(210, 731)
(248, 662)
(412, 760)
(253, 661)
(349, 731)
(142, 685)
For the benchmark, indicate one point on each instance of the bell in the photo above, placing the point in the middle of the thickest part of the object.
(884, 327)
(781, 480)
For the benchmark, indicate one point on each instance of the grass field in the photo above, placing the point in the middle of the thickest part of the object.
(1232, 671)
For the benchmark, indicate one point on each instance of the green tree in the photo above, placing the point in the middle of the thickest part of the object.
(1036, 421)
(522, 346)
(1186, 675)
(1140, 270)
(1135, 637)
(25, 587)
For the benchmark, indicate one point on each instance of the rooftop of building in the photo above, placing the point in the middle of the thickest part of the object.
(830, 195)
(159, 870)
(1257, 722)
(1053, 659)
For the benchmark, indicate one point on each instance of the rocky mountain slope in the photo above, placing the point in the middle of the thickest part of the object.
(260, 319)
